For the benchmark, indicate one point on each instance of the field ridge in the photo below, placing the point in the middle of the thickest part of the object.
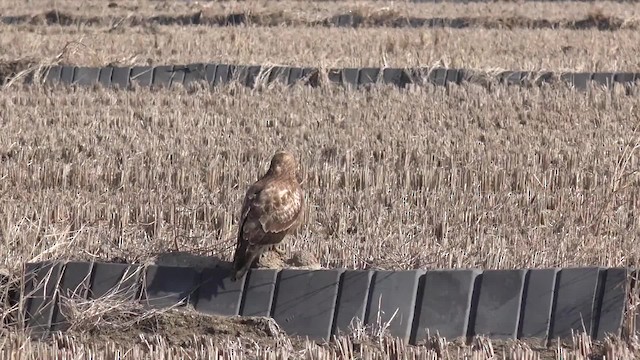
(257, 75)
(353, 19)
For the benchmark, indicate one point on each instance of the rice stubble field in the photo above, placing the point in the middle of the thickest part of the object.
(425, 177)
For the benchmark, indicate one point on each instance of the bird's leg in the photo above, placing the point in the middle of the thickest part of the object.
(241, 268)
(175, 242)
(255, 262)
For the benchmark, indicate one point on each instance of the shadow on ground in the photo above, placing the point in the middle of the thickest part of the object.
(186, 259)
(269, 259)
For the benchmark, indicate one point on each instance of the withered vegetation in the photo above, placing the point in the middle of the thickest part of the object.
(486, 49)
(69, 10)
(355, 17)
(454, 177)
(430, 177)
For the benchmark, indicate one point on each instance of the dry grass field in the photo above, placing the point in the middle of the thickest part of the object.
(423, 178)
(509, 178)
(485, 49)
(428, 177)
(312, 10)
(501, 39)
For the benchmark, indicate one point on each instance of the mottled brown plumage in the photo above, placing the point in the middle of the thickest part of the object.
(272, 208)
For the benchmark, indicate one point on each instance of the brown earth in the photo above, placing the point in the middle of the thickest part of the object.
(187, 333)
(269, 259)
(10, 69)
(179, 327)
(182, 332)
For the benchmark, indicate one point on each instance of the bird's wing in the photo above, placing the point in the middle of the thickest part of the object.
(282, 202)
(272, 212)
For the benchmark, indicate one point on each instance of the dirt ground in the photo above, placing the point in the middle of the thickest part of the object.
(257, 337)
(269, 259)
(178, 328)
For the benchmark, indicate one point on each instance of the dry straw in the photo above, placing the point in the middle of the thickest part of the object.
(506, 178)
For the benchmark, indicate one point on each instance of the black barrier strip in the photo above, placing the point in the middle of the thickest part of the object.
(449, 278)
(255, 75)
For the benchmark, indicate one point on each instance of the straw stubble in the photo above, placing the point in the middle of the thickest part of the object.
(394, 179)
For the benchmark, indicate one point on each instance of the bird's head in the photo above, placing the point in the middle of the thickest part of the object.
(283, 163)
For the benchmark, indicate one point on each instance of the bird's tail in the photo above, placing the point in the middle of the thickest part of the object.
(244, 257)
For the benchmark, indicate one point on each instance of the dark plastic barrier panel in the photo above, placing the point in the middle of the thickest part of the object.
(280, 74)
(141, 75)
(86, 76)
(537, 300)
(75, 284)
(613, 301)
(305, 302)
(105, 76)
(163, 76)
(167, 286)
(120, 77)
(575, 299)
(115, 280)
(53, 75)
(194, 73)
(66, 74)
(40, 292)
(259, 292)
(392, 301)
(251, 75)
(499, 303)
(538, 303)
(218, 294)
(446, 303)
(352, 300)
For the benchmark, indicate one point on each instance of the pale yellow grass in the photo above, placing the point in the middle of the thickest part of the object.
(157, 346)
(420, 179)
(557, 50)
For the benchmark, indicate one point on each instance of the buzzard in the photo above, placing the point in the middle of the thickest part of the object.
(272, 208)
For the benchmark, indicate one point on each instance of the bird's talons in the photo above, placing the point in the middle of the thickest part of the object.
(278, 250)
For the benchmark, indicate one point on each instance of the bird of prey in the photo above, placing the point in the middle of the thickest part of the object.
(272, 207)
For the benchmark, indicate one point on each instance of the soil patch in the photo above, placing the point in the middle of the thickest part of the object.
(272, 259)
(178, 327)
(9, 69)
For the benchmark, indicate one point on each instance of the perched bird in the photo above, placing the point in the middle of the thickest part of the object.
(272, 207)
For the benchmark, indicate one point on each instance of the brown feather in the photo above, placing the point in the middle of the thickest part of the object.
(272, 207)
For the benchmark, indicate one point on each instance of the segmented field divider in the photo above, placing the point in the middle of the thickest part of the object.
(253, 75)
(501, 304)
